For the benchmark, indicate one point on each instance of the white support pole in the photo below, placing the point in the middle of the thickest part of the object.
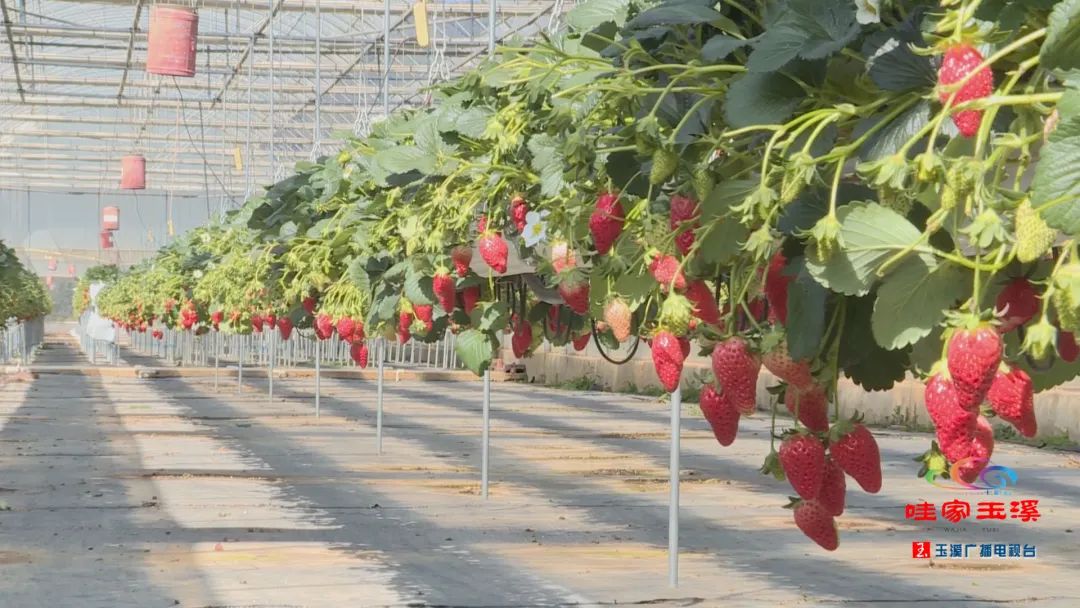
(318, 377)
(486, 435)
(270, 344)
(673, 481)
(379, 397)
(491, 27)
(217, 357)
(386, 60)
(240, 363)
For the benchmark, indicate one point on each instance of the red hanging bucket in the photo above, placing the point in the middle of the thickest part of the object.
(49, 281)
(133, 172)
(110, 218)
(71, 271)
(53, 264)
(171, 43)
(106, 239)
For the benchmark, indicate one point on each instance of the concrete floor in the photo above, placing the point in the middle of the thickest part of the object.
(161, 492)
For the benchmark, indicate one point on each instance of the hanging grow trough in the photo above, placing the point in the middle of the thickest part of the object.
(110, 218)
(133, 172)
(171, 42)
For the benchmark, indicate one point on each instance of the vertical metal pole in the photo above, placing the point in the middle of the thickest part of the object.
(273, 161)
(673, 481)
(491, 27)
(486, 435)
(318, 376)
(217, 357)
(379, 397)
(270, 343)
(240, 364)
(317, 139)
(386, 60)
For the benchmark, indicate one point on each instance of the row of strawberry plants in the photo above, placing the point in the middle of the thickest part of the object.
(22, 294)
(826, 188)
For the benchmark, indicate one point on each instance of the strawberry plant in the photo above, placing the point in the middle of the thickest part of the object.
(840, 195)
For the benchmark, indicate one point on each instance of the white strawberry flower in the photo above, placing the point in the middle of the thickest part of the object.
(535, 228)
(868, 11)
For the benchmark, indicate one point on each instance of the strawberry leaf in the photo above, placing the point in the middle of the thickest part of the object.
(1061, 50)
(476, 349)
(913, 300)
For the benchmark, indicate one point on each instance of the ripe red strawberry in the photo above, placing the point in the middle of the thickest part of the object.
(581, 341)
(705, 308)
(736, 369)
(618, 317)
(461, 256)
(1067, 347)
(169, 305)
(720, 413)
(345, 328)
(355, 351)
(684, 214)
(522, 339)
(443, 286)
(668, 359)
(424, 312)
(469, 297)
(817, 524)
(562, 256)
(324, 326)
(779, 362)
(854, 448)
(684, 344)
(958, 62)
(1017, 304)
(665, 269)
(776, 287)
(1013, 400)
(576, 295)
(556, 319)
(518, 210)
(803, 458)
(257, 323)
(982, 447)
(217, 317)
(811, 404)
(606, 221)
(309, 305)
(955, 425)
(285, 327)
(494, 250)
(833, 488)
(271, 320)
(404, 321)
(973, 357)
(157, 334)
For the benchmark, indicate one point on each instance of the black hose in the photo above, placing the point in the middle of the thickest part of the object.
(599, 347)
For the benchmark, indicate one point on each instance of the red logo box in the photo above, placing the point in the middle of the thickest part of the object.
(920, 549)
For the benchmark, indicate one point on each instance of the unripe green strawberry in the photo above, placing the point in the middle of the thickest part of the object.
(1066, 297)
(1033, 236)
(675, 314)
(703, 183)
(664, 164)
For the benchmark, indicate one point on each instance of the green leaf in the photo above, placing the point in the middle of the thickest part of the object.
(476, 349)
(719, 47)
(358, 276)
(492, 316)
(899, 69)
(403, 159)
(870, 234)
(895, 134)
(592, 13)
(806, 313)
(811, 29)
(418, 289)
(725, 195)
(1061, 50)
(761, 99)
(634, 288)
(473, 122)
(775, 48)
(913, 300)
(862, 360)
(724, 241)
(674, 14)
(1057, 178)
